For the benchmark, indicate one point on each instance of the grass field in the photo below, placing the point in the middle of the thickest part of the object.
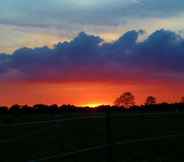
(161, 134)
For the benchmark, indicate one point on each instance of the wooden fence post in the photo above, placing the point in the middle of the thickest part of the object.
(109, 140)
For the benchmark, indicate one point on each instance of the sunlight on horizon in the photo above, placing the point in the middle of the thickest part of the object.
(92, 105)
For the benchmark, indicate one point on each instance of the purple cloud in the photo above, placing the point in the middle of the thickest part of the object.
(86, 57)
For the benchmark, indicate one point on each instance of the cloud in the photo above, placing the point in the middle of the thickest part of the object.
(88, 58)
(45, 13)
(108, 18)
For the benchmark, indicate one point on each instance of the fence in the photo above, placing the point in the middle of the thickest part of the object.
(110, 144)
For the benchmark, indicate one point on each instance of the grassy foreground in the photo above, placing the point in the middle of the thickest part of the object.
(24, 142)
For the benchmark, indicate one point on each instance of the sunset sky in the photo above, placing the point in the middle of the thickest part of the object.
(88, 52)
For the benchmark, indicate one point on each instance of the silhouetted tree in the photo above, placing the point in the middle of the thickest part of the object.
(27, 109)
(151, 100)
(53, 108)
(126, 100)
(182, 100)
(15, 108)
(3, 109)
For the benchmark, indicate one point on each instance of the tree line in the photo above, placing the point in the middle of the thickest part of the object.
(124, 103)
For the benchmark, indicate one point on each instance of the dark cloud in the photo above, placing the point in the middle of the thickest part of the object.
(86, 57)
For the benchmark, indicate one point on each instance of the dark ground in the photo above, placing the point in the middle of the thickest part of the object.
(24, 142)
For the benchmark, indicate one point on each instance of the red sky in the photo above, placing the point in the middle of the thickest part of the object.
(85, 71)
(84, 93)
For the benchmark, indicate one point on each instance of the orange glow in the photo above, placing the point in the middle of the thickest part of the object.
(93, 105)
(84, 93)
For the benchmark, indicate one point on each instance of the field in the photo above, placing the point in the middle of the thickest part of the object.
(136, 137)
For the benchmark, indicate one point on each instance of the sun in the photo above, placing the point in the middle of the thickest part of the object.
(92, 105)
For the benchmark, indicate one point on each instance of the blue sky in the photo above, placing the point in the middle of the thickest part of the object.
(45, 22)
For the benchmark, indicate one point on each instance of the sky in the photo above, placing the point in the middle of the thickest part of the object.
(89, 52)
